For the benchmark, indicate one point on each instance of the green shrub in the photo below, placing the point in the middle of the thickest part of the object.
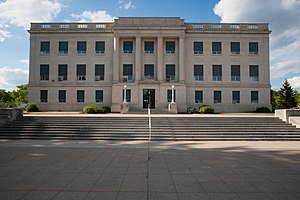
(90, 109)
(32, 107)
(206, 109)
(106, 109)
(99, 110)
(263, 110)
(192, 110)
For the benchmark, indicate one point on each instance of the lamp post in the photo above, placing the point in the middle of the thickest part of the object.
(172, 94)
(124, 100)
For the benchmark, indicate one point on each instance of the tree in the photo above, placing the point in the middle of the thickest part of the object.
(286, 95)
(14, 98)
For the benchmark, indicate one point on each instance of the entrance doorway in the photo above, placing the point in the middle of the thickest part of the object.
(149, 98)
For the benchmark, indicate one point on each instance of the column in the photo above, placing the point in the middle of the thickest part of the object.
(138, 58)
(116, 60)
(160, 59)
(181, 60)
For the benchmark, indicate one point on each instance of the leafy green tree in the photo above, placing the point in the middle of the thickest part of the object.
(14, 98)
(286, 96)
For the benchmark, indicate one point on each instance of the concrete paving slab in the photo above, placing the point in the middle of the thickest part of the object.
(119, 170)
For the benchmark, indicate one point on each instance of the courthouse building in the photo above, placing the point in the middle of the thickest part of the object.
(153, 59)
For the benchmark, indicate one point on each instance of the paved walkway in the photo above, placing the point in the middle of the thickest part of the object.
(94, 170)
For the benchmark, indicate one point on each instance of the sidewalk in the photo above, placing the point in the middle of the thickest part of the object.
(118, 170)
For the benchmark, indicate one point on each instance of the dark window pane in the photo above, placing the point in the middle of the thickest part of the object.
(128, 95)
(99, 95)
(216, 47)
(149, 47)
(127, 70)
(198, 72)
(170, 47)
(81, 70)
(62, 70)
(217, 72)
(62, 95)
(80, 95)
(44, 70)
(44, 95)
(149, 71)
(45, 47)
(198, 47)
(81, 47)
(99, 70)
(254, 96)
(100, 47)
(217, 96)
(169, 95)
(235, 73)
(253, 47)
(235, 96)
(128, 46)
(170, 70)
(63, 47)
(198, 96)
(235, 47)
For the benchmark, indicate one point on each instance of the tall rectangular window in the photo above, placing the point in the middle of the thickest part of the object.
(149, 47)
(45, 48)
(80, 96)
(198, 96)
(44, 96)
(62, 96)
(169, 95)
(217, 97)
(170, 47)
(99, 72)
(198, 48)
(128, 47)
(253, 48)
(235, 97)
(99, 96)
(216, 48)
(235, 48)
(128, 95)
(148, 71)
(81, 47)
(170, 73)
(81, 72)
(100, 47)
(127, 72)
(254, 96)
(44, 72)
(217, 72)
(198, 72)
(254, 73)
(235, 73)
(63, 72)
(63, 48)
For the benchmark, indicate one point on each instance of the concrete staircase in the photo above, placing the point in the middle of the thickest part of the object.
(167, 128)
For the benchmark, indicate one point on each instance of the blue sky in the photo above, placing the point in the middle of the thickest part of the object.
(283, 16)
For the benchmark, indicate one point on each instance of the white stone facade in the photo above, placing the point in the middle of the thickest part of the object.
(159, 43)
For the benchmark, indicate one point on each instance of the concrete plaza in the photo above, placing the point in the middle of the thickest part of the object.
(106, 170)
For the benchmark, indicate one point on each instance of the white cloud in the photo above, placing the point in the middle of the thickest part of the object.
(127, 5)
(90, 16)
(284, 19)
(295, 82)
(11, 76)
(25, 61)
(21, 13)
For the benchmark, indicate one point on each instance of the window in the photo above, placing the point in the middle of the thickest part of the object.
(64, 26)
(127, 47)
(45, 48)
(81, 72)
(170, 47)
(148, 71)
(198, 96)
(100, 47)
(217, 97)
(44, 72)
(169, 95)
(80, 96)
(235, 97)
(99, 72)
(254, 73)
(99, 96)
(100, 25)
(81, 47)
(217, 73)
(82, 26)
(170, 73)
(62, 72)
(62, 96)
(44, 96)
(128, 95)
(198, 72)
(127, 72)
(253, 48)
(235, 73)
(216, 48)
(254, 96)
(63, 47)
(235, 48)
(46, 26)
(149, 47)
(198, 48)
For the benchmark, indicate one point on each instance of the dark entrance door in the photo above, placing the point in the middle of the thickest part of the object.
(149, 98)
